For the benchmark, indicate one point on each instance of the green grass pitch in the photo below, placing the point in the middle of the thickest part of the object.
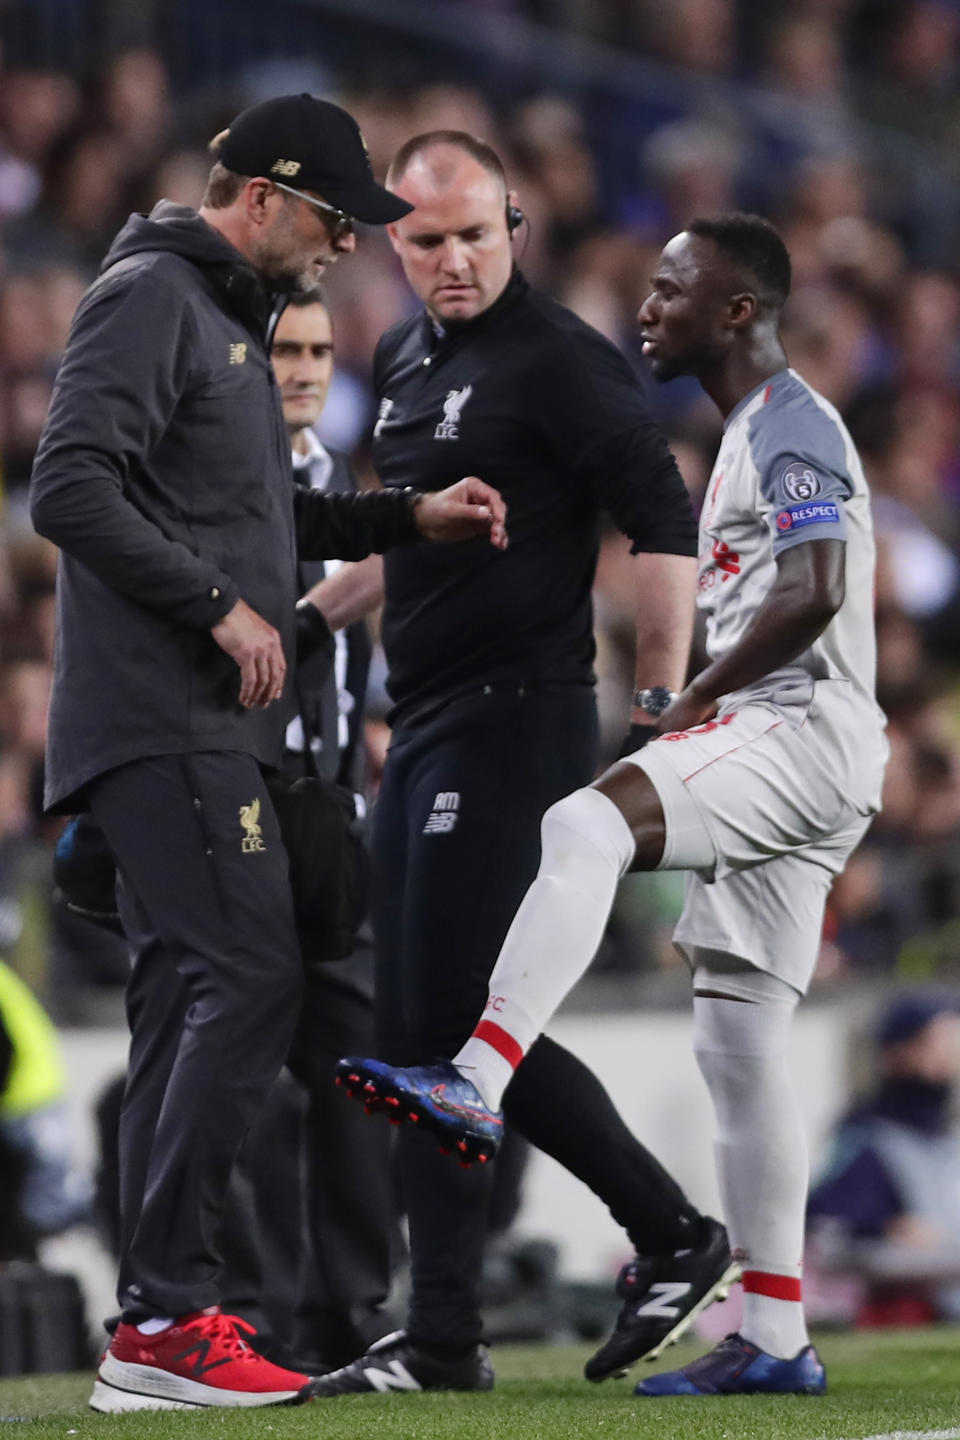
(884, 1384)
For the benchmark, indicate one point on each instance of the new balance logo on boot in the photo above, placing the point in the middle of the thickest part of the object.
(662, 1295)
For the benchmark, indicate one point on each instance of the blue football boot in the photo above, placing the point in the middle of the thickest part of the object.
(736, 1367)
(434, 1097)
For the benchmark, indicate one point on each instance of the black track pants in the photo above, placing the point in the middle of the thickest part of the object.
(212, 1002)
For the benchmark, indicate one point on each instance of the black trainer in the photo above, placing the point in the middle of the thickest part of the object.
(662, 1295)
(396, 1363)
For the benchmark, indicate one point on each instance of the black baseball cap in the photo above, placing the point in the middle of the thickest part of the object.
(310, 144)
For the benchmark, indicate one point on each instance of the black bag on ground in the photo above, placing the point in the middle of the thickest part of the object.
(85, 873)
(42, 1322)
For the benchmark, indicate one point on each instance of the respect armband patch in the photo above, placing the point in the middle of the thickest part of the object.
(823, 512)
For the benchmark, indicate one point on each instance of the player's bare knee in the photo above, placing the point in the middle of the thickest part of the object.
(633, 793)
(582, 828)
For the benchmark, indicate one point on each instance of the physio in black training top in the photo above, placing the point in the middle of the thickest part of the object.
(491, 674)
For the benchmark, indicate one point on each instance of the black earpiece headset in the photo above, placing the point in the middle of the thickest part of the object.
(515, 218)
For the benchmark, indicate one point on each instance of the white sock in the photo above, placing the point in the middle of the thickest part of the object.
(496, 1047)
(486, 1069)
(762, 1158)
(155, 1325)
(587, 847)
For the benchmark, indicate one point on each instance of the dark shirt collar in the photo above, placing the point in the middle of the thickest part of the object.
(441, 337)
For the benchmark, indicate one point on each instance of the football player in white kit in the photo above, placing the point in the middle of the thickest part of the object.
(762, 780)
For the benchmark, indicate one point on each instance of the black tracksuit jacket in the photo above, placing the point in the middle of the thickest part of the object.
(164, 476)
(540, 405)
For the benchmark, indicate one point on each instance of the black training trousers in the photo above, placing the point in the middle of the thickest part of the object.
(310, 1257)
(212, 1003)
(456, 846)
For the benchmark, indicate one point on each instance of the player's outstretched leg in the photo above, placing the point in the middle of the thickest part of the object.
(434, 1097)
(662, 1296)
(587, 845)
(736, 1367)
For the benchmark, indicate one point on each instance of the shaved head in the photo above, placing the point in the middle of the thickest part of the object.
(445, 172)
(435, 151)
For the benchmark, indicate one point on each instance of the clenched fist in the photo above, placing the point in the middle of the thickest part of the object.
(462, 512)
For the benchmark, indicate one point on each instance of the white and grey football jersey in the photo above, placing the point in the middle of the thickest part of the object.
(788, 472)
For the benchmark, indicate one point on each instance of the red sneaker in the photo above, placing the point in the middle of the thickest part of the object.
(202, 1359)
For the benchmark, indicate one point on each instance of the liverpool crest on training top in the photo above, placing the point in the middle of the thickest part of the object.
(454, 403)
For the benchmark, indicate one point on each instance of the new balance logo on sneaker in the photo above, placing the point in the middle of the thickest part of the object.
(201, 1365)
(398, 1377)
(395, 1364)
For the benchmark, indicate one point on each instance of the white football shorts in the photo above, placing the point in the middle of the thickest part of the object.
(764, 823)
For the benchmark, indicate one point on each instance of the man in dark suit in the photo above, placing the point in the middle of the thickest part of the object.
(302, 355)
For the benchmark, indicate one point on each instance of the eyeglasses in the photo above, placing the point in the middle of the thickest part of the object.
(341, 224)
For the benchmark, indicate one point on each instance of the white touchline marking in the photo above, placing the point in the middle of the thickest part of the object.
(915, 1435)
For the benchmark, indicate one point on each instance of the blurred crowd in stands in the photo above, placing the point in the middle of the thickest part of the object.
(840, 119)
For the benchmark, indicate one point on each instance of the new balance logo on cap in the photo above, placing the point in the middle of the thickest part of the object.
(290, 168)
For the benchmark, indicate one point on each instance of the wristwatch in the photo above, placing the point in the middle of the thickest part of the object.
(655, 700)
